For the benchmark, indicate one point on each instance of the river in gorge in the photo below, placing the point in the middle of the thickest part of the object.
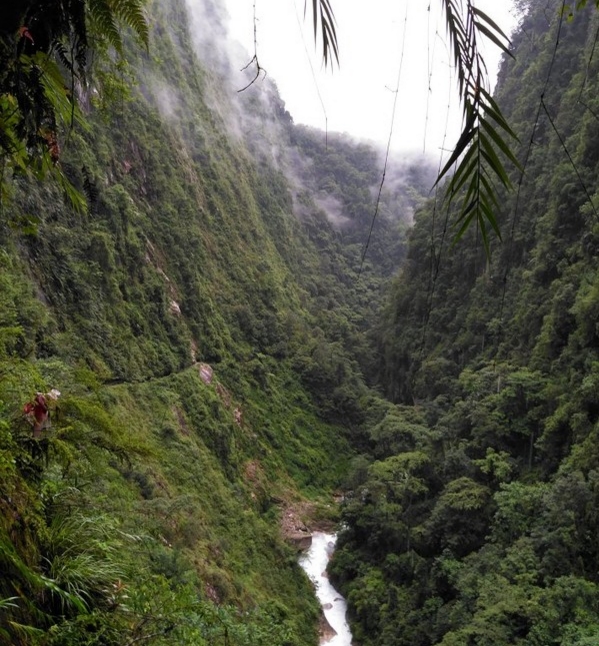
(314, 563)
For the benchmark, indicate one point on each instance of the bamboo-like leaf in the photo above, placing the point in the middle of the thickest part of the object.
(469, 204)
(498, 118)
(472, 196)
(492, 37)
(314, 15)
(490, 161)
(491, 108)
(465, 170)
(465, 219)
(457, 38)
(489, 189)
(490, 216)
(497, 33)
(465, 139)
(486, 18)
(483, 137)
(325, 8)
(322, 13)
(485, 237)
(493, 160)
(500, 143)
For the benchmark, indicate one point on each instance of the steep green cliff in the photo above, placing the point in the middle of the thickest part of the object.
(184, 362)
(473, 518)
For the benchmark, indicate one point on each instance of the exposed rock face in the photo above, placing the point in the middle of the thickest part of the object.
(301, 540)
(293, 528)
(206, 372)
(238, 415)
(326, 632)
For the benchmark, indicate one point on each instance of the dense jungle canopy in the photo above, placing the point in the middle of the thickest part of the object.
(193, 359)
(473, 516)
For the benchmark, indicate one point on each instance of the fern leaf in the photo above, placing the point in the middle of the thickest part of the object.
(130, 13)
(103, 18)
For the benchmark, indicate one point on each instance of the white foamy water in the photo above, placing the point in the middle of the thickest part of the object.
(314, 563)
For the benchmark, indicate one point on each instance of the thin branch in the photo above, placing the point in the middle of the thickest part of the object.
(254, 59)
(259, 69)
(143, 638)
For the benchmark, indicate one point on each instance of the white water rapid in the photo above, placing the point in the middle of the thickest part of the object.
(314, 563)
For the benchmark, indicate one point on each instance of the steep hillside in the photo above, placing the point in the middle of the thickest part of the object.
(183, 363)
(473, 519)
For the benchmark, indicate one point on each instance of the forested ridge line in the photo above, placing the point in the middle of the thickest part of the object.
(472, 518)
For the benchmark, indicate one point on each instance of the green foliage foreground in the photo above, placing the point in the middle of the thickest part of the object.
(132, 519)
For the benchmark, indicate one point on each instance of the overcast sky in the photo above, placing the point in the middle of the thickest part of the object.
(358, 97)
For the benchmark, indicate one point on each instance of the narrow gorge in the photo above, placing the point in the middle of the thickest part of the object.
(206, 337)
